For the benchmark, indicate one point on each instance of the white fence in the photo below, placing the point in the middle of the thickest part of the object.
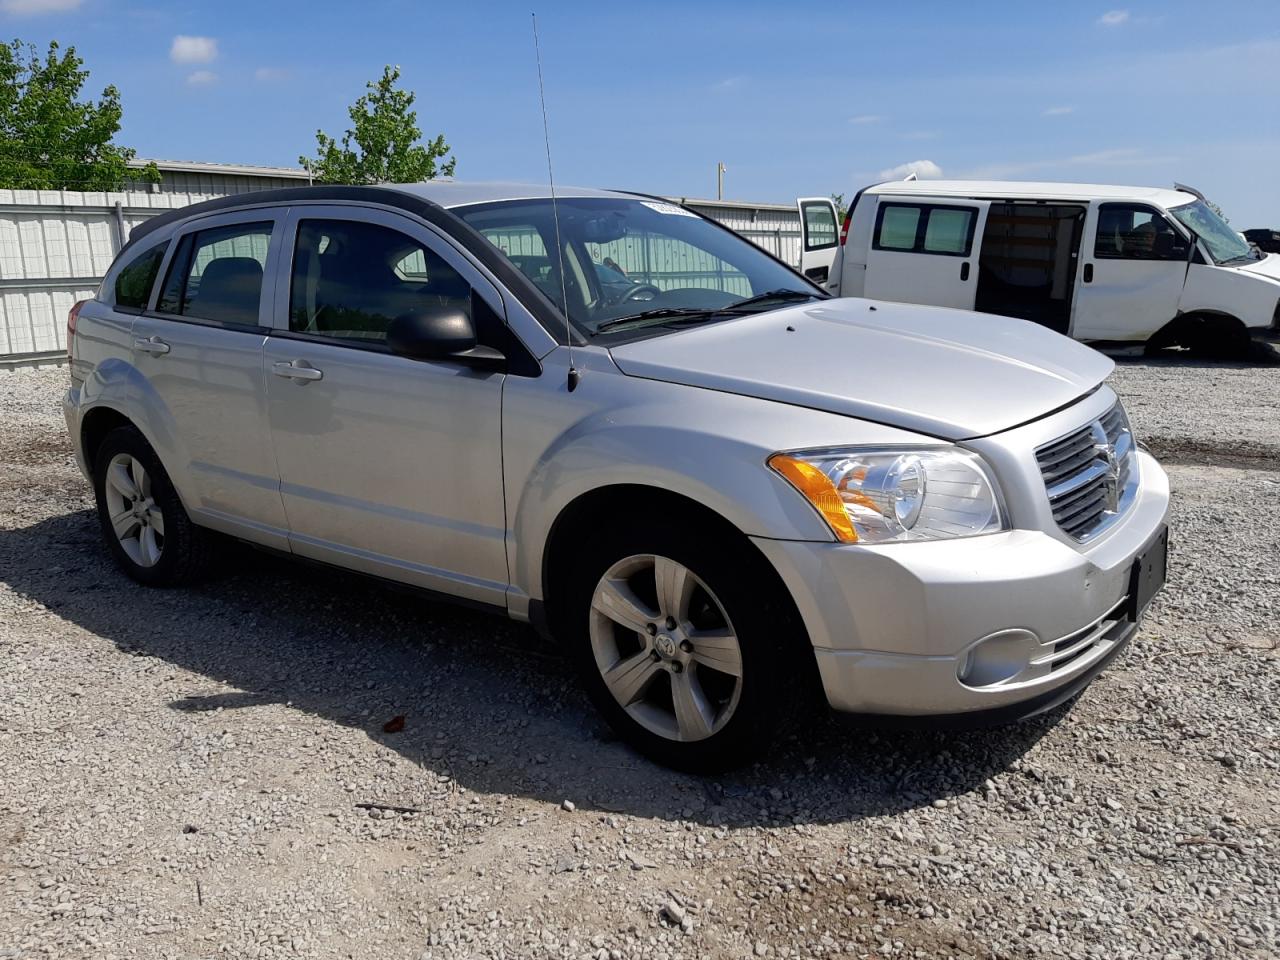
(56, 245)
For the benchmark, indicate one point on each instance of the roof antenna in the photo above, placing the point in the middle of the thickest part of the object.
(574, 376)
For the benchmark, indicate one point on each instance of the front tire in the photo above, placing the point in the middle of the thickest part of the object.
(146, 528)
(682, 645)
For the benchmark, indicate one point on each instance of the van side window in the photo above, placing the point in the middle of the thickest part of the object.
(134, 282)
(925, 228)
(351, 279)
(1128, 231)
(217, 274)
(897, 227)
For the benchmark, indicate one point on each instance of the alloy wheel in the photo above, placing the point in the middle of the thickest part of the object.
(135, 516)
(665, 648)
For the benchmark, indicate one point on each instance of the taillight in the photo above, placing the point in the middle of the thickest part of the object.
(72, 316)
(844, 229)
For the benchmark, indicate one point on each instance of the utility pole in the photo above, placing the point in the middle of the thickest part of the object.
(720, 170)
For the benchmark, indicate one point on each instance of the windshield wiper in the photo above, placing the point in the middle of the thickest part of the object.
(785, 295)
(662, 313)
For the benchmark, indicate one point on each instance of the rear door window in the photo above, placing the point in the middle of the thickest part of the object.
(216, 275)
(134, 282)
(897, 227)
(948, 230)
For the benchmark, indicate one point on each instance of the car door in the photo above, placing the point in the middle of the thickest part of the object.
(1135, 266)
(819, 237)
(388, 465)
(199, 348)
(926, 251)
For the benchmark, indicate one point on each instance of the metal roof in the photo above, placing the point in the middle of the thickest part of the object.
(226, 169)
(1027, 189)
(454, 193)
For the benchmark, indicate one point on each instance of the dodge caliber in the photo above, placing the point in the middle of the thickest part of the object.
(725, 494)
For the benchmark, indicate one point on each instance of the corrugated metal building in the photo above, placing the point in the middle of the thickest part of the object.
(55, 245)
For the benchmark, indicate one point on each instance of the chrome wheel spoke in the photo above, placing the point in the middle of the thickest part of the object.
(125, 524)
(140, 478)
(695, 717)
(150, 547)
(617, 601)
(675, 586)
(630, 678)
(156, 518)
(121, 479)
(717, 649)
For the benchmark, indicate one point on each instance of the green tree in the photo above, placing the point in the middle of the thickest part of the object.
(49, 138)
(382, 145)
(841, 207)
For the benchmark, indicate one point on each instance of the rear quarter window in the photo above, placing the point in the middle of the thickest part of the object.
(134, 282)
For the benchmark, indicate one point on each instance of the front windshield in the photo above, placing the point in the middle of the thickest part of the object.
(1224, 244)
(624, 257)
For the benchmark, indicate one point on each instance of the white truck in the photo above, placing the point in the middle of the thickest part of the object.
(1103, 264)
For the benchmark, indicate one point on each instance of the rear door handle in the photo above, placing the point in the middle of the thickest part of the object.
(152, 345)
(964, 271)
(296, 370)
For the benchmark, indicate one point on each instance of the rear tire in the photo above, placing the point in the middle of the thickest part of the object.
(703, 691)
(143, 520)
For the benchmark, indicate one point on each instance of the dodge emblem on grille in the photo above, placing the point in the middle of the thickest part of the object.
(1106, 450)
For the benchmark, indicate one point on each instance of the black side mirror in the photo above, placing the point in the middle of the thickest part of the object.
(440, 333)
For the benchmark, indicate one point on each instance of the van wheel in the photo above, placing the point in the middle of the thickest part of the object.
(685, 654)
(144, 523)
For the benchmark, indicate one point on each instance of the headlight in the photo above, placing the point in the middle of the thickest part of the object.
(877, 495)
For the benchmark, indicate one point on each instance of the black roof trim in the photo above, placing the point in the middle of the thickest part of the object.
(533, 299)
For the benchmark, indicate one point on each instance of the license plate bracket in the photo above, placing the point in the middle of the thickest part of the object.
(1148, 574)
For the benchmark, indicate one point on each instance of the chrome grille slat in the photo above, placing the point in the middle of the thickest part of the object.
(1085, 486)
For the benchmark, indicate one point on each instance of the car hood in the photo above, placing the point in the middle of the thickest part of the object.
(946, 373)
(1268, 266)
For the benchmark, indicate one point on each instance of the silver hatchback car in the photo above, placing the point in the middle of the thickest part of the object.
(718, 488)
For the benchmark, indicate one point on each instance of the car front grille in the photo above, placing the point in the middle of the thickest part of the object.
(1089, 474)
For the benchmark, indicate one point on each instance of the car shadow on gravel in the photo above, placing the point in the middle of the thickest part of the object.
(485, 700)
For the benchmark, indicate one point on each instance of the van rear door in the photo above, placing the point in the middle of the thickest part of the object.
(819, 237)
(925, 251)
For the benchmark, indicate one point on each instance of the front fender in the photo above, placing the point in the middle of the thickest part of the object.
(1247, 296)
(614, 430)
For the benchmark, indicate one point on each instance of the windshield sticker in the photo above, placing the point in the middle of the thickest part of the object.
(670, 209)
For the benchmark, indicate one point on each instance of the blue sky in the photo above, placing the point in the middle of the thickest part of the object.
(794, 99)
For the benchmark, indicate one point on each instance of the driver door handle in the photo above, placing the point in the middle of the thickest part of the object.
(296, 370)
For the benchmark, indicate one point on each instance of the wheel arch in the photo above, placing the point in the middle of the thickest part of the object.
(588, 514)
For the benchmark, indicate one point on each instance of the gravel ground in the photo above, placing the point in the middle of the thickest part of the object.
(181, 772)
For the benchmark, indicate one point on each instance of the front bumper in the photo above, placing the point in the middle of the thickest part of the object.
(893, 626)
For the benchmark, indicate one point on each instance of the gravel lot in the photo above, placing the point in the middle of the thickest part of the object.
(181, 772)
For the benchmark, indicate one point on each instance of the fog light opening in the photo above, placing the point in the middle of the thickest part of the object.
(998, 658)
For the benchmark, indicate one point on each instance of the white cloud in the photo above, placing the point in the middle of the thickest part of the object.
(193, 49)
(202, 78)
(730, 83)
(1113, 18)
(34, 8)
(924, 169)
(866, 118)
(269, 74)
(1058, 111)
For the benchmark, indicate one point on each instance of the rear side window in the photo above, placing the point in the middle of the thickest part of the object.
(134, 282)
(925, 228)
(351, 279)
(217, 274)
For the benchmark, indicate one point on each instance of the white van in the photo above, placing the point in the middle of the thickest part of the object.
(1099, 263)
